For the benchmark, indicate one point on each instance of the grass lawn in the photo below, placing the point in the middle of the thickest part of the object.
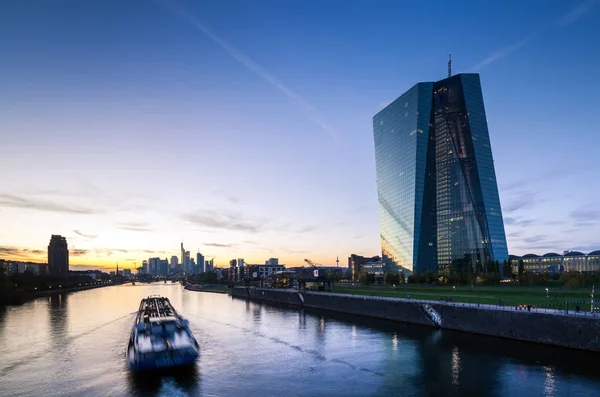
(510, 295)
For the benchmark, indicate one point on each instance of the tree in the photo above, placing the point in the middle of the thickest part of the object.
(496, 267)
(402, 278)
(478, 267)
(367, 278)
(391, 278)
(521, 267)
(507, 269)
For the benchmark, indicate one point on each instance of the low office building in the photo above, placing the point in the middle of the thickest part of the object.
(556, 263)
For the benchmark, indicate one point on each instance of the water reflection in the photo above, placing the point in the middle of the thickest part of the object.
(259, 349)
(166, 382)
(57, 310)
(455, 366)
(549, 387)
(302, 319)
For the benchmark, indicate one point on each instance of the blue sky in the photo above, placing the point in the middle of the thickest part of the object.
(245, 127)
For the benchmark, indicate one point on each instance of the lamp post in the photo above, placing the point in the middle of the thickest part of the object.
(547, 293)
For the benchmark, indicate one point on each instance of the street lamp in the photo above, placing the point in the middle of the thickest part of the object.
(547, 293)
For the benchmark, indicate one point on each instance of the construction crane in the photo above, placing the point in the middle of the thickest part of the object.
(318, 270)
(313, 264)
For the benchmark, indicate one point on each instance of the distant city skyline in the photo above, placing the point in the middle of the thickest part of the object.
(246, 128)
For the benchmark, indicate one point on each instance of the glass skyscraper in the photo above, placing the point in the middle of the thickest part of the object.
(437, 189)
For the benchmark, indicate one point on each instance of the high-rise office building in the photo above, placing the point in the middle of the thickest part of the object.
(58, 256)
(154, 266)
(437, 189)
(183, 258)
(200, 262)
(209, 265)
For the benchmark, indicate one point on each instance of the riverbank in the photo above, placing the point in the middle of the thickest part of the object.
(218, 289)
(577, 331)
(14, 297)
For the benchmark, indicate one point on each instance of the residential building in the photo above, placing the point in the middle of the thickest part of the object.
(436, 183)
(237, 270)
(263, 271)
(58, 256)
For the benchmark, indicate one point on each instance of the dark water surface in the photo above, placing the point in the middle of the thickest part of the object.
(74, 345)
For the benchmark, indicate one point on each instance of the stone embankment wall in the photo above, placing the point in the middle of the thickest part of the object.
(579, 332)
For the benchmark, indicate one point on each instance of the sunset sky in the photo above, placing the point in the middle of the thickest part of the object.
(245, 128)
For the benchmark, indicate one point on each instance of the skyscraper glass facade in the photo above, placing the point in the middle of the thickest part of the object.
(437, 189)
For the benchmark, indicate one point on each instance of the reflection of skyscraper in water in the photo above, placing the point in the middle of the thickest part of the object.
(57, 316)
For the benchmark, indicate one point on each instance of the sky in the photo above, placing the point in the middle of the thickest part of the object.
(244, 128)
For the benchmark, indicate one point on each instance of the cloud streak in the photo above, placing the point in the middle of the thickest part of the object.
(309, 110)
(9, 200)
(221, 220)
(502, 53)
(567, 19)
(80, 233)
(135, 226)
(576, 13)
(20, 252)
(219, 245)
(585, 215)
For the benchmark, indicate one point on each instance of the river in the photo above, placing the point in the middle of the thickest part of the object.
(74, 345)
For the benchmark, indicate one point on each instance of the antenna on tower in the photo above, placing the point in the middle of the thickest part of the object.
(449, 64)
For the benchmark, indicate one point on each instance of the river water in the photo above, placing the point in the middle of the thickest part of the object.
(74, 345)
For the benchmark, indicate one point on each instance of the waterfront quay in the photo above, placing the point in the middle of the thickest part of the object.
(574, 330)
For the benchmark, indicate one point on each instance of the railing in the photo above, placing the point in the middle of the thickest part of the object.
(568, 311)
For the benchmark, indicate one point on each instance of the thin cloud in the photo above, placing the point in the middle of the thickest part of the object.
(225, 221)
(522, 201)
(78, 252)
(108, 251)
(308, 229)
(219, 245)
(568, 19)
(135, 226)
(517, 221)
(15, 251)
(80, 233)
(585, 215)
(502, 53)
(10, 200)
(309, 110)
(576, 13)
(292, 252)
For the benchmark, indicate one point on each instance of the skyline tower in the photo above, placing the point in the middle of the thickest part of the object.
(183, 257)
(58, 255)
(436, 183)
